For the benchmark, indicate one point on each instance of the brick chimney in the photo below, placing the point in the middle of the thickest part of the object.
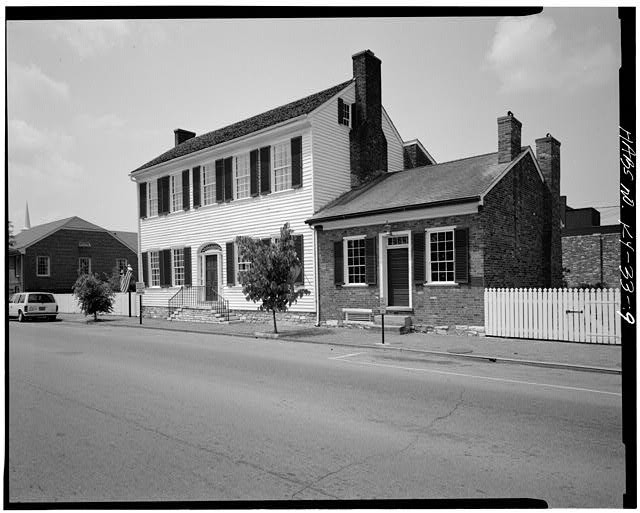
(548, 157)
(367, 141)
(509, 138)
(183, 135)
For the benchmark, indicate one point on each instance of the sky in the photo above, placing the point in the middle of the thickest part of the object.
(90, 101)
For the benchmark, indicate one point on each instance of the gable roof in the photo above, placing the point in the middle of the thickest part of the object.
(248, 126)
(449, 182)
(26, 238)
(129, 239)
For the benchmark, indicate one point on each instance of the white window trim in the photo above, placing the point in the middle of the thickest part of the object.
(86, 258)
(173, 266)
(345, 261)
(48, 266)
(150, 270)
(427, 238)
(235, 175)
(172, 194)
(238, 262)
(211, 166)
(345, 105)
(152, 185)
(273, 167)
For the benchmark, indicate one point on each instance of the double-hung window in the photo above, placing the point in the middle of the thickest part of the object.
(152, 195)
(441, 256)
(282, 166)
(243, 264)
(121, 264)
(242, 176)
(178, 267)
(208, 184)
(176, 192)
(84, 265)
(42, 266)
(154, 267)
(355, 263)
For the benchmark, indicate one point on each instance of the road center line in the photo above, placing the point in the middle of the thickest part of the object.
(503, 380)
(344, 356)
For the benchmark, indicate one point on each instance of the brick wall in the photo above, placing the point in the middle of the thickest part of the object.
(591, 259)
(62, 249)
(432, 304)
(513, 221)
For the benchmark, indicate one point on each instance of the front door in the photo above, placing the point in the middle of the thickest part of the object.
(211, 277)
(398, 276)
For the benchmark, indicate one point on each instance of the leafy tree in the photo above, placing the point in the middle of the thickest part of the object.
(94, 295)
(271, 277)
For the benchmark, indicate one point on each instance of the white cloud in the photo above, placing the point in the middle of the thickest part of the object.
(529, 54)
(25, 142)
(24, 80)
(90, 37)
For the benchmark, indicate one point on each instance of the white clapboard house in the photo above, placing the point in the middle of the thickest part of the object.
(251, 177)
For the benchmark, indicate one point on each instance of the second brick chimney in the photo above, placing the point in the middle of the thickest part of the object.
(509, 138)
(183, 135)
(367, 140)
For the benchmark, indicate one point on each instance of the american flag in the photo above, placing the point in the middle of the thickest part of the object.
(125, 279)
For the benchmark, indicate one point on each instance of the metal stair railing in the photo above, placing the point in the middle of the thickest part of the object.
(196, 295)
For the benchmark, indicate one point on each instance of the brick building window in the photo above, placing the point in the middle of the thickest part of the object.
(441, 256)
(355, 261)
(121, 264)
(84, 265)
(178, 267)
(281, 166)
(43, 267)
(154, 266)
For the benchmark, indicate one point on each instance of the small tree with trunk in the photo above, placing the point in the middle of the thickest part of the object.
(272, 273)
(94, 295)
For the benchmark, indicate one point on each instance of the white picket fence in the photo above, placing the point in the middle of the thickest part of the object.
(576, 315)
(67, 303)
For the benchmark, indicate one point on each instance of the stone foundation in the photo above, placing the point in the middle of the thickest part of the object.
(458, 329)
(155, 312)
(256, 316)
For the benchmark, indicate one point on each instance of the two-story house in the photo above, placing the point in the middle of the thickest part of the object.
(251, 177)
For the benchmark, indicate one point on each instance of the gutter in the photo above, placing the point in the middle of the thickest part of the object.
(390, 210)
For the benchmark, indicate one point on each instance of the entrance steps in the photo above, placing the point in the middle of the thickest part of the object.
(393, 323)
(204, 314)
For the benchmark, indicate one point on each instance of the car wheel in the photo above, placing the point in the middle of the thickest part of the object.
(20, 317)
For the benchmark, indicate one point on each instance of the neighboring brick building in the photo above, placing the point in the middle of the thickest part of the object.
(425, 242)
(50, 256)
(590, 252)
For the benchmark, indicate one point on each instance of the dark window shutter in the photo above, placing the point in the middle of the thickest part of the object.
(186, 205)
(298, 241)
(145, 269)
(340, 109)
(255, 176)
(296, 162)
(165, 268)
(228, 179)
(163, 195)
(187, 266)
(265, 170)
(196, 187)
(143, 199)
(231, 265)
(220, 180)
(338, 263)
(461, 244)
(371, 269)
(419, 257)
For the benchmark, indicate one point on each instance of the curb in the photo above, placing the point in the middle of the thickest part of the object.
(493, 359)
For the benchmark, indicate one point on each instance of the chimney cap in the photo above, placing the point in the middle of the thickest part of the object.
(548, 137)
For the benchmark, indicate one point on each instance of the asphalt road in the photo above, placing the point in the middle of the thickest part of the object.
(99, 413)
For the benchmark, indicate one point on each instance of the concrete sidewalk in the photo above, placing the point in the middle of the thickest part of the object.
(566, 355)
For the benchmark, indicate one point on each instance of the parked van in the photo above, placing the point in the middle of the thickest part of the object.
(28, 305)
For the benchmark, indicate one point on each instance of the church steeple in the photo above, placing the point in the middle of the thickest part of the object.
(27, 221)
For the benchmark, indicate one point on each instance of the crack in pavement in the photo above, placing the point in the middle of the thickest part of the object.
(174, 438)
(451, 412)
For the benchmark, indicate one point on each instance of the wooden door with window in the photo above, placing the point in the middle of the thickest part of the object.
(398, 276)
(211, 277)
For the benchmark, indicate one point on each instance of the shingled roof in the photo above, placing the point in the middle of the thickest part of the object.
(448, 182)
(248, 126)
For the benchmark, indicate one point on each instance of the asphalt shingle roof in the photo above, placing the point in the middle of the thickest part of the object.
(248, 126)
(446, 182)
(129, 239)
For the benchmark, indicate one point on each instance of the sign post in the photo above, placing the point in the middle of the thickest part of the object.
(140, 292)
